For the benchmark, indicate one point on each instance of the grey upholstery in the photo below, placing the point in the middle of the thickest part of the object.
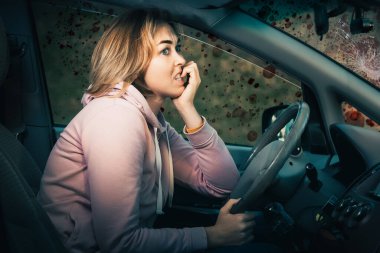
(27, 228)
(24, 225)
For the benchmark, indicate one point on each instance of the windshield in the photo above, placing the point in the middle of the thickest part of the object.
(349, 35)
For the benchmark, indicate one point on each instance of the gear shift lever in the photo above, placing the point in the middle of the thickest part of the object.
(312, 174)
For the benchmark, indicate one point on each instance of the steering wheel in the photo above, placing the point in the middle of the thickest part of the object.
(269, 156)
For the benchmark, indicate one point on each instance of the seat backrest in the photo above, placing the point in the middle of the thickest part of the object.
(25, 226)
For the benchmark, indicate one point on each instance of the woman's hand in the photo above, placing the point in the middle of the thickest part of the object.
(186, 99)
(185, 102)
(230, 229)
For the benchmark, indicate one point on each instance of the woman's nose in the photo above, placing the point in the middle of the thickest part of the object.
(180, 60)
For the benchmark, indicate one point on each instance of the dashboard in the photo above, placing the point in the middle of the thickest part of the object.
(342, 214)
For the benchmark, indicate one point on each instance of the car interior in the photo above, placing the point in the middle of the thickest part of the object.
(313, 176)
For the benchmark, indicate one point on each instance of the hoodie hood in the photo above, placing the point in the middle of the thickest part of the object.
(136, 98)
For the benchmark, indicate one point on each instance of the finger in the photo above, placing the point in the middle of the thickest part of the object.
(188, 70)
(227, 207)
(248, 227)
(248, 217)
(190, 67)
(188, 63)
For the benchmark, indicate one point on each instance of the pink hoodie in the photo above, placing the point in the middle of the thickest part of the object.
(101, 186)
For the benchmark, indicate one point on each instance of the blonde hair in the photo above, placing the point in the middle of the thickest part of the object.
(125, 50)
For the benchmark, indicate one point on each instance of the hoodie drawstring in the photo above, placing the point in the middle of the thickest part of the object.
(160, 193)
(159, 169)
(171, 175)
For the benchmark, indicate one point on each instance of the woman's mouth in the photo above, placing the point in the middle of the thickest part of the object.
(178, 77)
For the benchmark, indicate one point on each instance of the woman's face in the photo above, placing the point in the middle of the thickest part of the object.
(163, 73)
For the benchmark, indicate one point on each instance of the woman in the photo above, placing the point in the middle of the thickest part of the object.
(112, 170)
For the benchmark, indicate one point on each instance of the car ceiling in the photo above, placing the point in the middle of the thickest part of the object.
(204, 14)
(191, 13)
(197, 4)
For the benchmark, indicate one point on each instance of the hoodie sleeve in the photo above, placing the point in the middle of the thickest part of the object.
(204, 162)
(114, 144)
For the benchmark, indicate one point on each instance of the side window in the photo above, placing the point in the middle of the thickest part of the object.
(354, 117)
(67, 34)
(236, 87)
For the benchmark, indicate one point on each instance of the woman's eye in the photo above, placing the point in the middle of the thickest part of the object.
(178, 48)
(165, 51)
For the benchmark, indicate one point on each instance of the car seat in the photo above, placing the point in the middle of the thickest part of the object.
(24, 225)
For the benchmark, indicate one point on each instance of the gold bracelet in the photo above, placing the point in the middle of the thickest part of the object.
(193, 130)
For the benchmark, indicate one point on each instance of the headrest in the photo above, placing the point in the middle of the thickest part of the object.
(4, 53)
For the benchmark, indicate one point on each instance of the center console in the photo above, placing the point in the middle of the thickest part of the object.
(354, 221)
